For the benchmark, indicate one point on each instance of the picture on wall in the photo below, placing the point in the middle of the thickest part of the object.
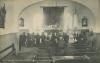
(84, 22)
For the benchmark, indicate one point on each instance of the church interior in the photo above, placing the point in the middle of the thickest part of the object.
(49, 31)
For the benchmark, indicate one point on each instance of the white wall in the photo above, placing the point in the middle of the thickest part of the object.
(10, 22)
(94, 5)
(33, 15)
(14, 7)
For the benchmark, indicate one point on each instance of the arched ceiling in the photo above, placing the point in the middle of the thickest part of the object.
(35, 8)
(54, 2)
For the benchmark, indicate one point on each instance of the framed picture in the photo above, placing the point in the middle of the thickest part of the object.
(21, 22)
(84, 22)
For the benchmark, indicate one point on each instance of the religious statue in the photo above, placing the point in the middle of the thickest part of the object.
(2, 16)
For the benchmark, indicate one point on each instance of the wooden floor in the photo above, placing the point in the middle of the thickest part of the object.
(28, 54)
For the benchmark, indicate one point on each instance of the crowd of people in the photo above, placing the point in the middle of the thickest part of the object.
(53, 41)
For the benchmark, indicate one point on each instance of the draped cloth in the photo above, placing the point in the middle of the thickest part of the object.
(53, 15)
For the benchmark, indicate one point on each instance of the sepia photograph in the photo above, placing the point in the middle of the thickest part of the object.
(49, 31)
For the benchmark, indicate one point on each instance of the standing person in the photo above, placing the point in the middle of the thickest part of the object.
(28, 40)
(43, 38)
(22, 40)
(74, 36)
(33, 39)
(53, 40)
(66, 38)
(61, 46)
(77, 38)
(92, 40)
(53, 44)
(37, 38)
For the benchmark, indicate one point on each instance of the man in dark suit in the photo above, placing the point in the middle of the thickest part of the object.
(22, 40)
(66, 38)
(37, 37)
(43, 40)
